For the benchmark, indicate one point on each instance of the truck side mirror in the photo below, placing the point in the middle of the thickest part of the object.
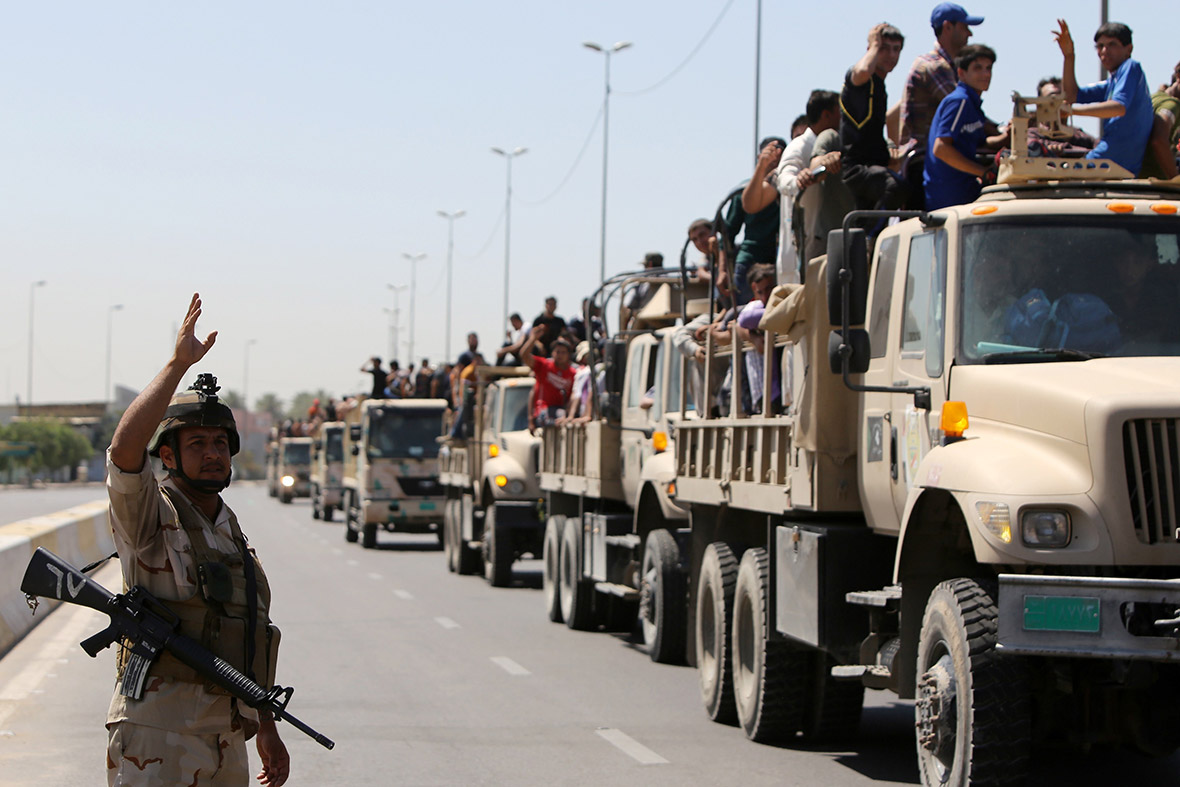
(858, 346)
(356, 450)
(354, 432)
(849, 263)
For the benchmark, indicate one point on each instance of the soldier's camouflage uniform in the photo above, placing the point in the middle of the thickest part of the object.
(180, 733)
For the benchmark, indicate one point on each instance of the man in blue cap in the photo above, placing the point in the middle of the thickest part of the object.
(931, 79)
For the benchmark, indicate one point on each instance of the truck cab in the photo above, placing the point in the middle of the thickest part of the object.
(293, 468)
(327, 472)
(391, 481)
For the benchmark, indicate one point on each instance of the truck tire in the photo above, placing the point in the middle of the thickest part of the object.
(551, 560)
(497, 548)
(328, 513)
(315, 504)
(467, 560)
(350, 534)
(663, 611)
(833, 706)
(577, 600)
(770, 676)
(285, 498)
(714, 622)
(972, 706)
(369, 535)
(448, 537)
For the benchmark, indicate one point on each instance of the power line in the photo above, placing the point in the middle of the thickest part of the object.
(488, 242)
(574, 166)
(685, 62)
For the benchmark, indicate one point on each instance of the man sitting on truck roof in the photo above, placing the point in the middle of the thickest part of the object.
(1122, 99)
(549, 397)
(953, 176)
(1159, 161)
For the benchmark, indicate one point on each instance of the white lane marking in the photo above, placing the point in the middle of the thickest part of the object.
(509, 666)
(336, 550)
(351, 562)
(374, 575)
(631, 747)
(404, 595)
(446, 623)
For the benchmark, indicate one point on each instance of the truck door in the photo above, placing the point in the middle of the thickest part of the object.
(640, 379)
(897, 435)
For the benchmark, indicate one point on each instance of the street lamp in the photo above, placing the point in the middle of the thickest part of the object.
(246, 385)
(29, 382)
(607, 52)
(395, 317)
(508, 217)
(450, 217)
(413, 258)
(110, 319)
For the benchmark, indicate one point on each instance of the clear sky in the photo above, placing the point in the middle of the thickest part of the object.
(281, 157)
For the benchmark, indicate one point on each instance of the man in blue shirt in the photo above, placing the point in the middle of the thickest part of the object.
(1123, 99)
(952, 175)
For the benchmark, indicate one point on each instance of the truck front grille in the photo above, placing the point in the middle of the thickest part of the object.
(1152, 453)
(420, 487)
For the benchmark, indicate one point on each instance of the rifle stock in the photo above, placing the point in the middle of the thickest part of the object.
(150, 626)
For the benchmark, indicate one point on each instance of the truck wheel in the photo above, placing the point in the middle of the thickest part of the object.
(770, 676)
(468, 560)
(328, 513)
(315, 504)
(714, 621)
(369, 535)
(663, 613)
(449, 536)
(551, 558)
(833, 706)
(577, 601)
(497, 547)
(350, 534)
(285, 499)
(972, 707)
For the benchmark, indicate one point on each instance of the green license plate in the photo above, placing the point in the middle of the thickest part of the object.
(426, 507)
(1062, 613)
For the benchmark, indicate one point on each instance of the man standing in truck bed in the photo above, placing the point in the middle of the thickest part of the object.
(180, 541)
(555, 380)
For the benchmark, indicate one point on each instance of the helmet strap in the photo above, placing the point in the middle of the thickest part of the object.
(178, 471)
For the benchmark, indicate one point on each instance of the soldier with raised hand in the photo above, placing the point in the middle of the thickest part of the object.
(179, 540)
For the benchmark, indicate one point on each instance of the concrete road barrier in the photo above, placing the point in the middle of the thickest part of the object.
(79, 535)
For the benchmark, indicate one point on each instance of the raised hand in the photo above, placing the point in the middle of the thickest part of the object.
(190, 349)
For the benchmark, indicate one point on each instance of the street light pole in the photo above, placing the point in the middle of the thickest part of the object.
(29, 382)
(508, 218)
(106, 391)
(607, 52)
(413, 258)
(396, 315)
(450, 217)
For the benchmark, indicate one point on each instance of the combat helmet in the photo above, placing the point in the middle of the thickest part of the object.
(197, 406)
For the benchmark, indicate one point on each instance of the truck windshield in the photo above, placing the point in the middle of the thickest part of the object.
(516, 408)
(1069, 290)
(404, 433)
(297, 453)
(334, 449)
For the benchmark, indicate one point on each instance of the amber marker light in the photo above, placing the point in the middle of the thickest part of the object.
(983, 210)
(659, 441)
(493, 450)
(501, 481)
(1120, 207)
(1164, 208)
(953, 420)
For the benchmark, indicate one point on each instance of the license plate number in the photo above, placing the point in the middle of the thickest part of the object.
(426, 507)
(1062, 613)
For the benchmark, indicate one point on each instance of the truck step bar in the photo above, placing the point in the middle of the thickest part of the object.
(614, 589)
(885, 598)
(627, 541)
(873, 676)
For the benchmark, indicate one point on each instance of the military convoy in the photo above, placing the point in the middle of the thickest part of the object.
(491, 517)
(391, 468)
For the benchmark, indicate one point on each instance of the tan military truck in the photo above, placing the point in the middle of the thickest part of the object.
(272, 462)
(614, 540)
(293, 468)
(327, 470)
(973, 500)
(491, 516)
(391, 469)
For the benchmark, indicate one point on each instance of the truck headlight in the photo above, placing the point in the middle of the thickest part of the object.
(1045, 528)
(515, 487)
(997, 518)
(288, 480)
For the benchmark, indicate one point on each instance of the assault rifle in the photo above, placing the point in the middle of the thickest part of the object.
(142, 619)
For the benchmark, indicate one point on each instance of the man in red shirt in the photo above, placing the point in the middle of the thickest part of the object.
(555, 379)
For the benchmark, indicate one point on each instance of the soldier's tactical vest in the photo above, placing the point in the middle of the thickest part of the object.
(218, 616)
